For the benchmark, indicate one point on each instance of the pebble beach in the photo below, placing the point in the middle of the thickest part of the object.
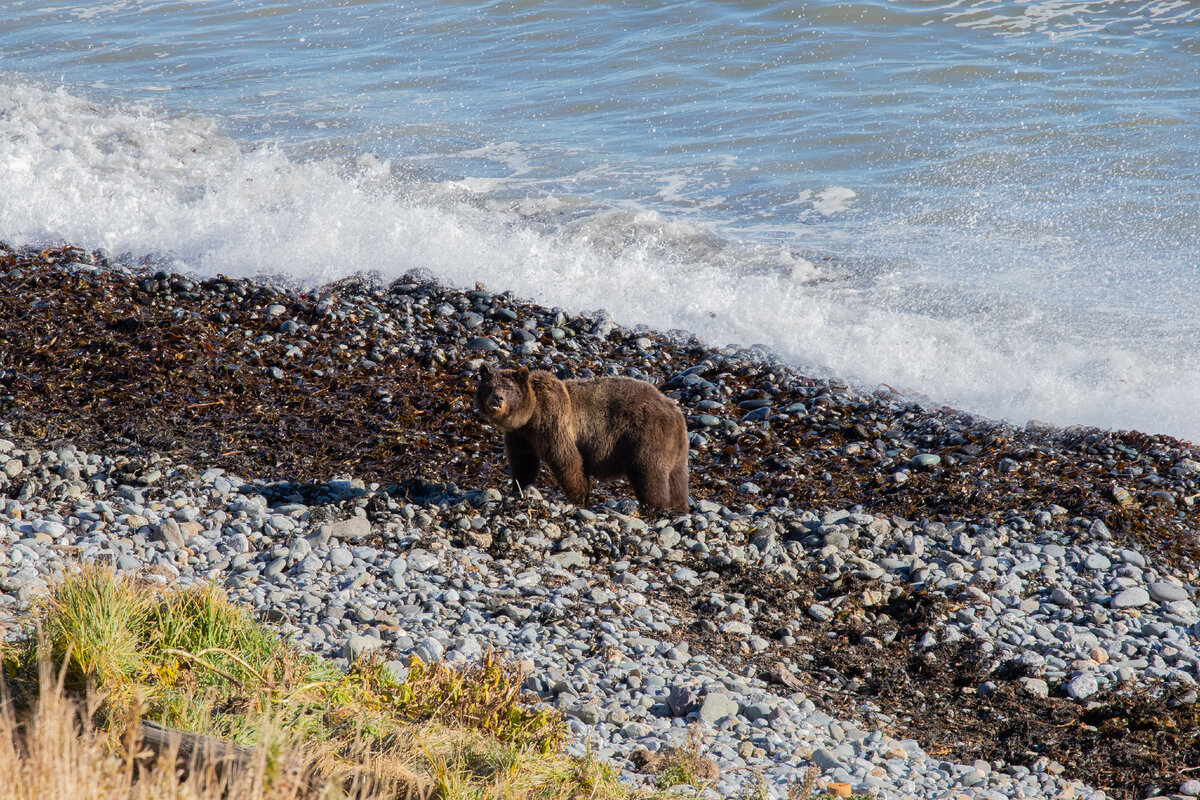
(911, 600)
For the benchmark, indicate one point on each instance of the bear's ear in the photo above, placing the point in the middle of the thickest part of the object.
(485, 371)
(523, 374)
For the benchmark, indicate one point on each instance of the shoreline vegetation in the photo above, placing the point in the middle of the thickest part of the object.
(105, 655)
(108, 660)
(370, 383)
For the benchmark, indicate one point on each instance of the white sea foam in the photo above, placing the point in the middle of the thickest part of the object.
(131, 178)
(1066, 18)
(833, 200)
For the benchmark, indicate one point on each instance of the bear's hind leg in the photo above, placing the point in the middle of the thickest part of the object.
(651, 486)
(679, 487)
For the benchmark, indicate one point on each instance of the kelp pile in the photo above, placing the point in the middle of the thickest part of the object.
(1121, 741)
(377, 379)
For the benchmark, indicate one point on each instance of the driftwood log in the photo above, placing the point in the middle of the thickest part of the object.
(193, 752)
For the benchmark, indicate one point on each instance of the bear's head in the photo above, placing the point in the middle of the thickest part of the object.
(504, 397)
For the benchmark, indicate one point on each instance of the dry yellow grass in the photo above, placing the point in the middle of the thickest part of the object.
(53, 752)
(107, 653)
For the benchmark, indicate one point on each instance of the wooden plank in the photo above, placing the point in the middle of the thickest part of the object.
(193, 751)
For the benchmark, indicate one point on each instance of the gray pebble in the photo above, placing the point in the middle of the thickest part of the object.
(716, 706)
(1133, 597)
(820, 613)
(349, 529)
(482, 344)
(358, 645)
(1082, 686)
(421, 561)
(1166, 592)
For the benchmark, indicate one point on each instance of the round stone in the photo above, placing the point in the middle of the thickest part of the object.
(357, 645)
(1167, 592)
(430, 650)
(421, 561)
(55, 530)
(1082, 686)
(757, 414)
(1133, 557)
(1062, 597)
(820, 613)
(716, 706)
(482, 344)
(1133, 597)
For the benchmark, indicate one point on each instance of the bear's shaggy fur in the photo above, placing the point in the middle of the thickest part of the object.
(595, 428)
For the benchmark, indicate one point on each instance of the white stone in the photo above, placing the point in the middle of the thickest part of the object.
(1082, 686)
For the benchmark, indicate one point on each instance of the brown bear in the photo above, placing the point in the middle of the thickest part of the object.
(595, 428)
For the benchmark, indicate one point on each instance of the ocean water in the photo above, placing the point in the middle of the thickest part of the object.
(990, 204)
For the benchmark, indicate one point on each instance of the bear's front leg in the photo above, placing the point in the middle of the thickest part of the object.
(566, 464)
(523, 462)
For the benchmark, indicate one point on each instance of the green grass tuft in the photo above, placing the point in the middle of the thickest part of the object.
(192, 660)
(94, 625)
